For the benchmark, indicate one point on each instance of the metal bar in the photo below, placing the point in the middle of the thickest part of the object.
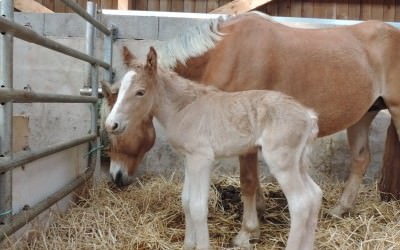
(80, 11)
(23, 217)
(93, 80)
(87, 91)
(23, 96)
(31, 36)
(6, 112)
(108, 54)
(89, 40)
(24, 158)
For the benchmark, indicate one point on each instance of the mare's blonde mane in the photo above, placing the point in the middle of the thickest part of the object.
(190, 43)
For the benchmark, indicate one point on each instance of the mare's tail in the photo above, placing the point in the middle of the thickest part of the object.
(389, 183)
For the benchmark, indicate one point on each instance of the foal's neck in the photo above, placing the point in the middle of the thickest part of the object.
(175, 93)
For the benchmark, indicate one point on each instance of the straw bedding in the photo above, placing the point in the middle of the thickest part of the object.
(148, 215)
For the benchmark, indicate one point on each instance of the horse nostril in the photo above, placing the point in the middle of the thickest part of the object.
(115, 126)
(118, 179)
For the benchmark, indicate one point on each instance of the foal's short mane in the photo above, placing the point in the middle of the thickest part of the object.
(189, 90)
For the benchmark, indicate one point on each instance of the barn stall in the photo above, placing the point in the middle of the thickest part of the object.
(106, 217)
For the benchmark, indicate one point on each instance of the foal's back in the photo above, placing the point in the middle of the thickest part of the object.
(229, 124)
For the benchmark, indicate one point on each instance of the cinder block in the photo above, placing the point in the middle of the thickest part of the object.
(64, 25)
(169, 27)
(133, 27)
(34, 21)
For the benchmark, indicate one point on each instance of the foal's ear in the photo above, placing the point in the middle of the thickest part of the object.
(106, 89)
(128, 56)
(151, 63)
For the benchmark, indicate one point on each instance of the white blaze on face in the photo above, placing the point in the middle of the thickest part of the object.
(115, 115)
(116, 167)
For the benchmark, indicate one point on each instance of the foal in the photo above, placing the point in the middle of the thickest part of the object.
(204, 123)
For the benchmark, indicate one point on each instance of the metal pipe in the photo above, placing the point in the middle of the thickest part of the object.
(24, 217)
(108, 53)
(93, 79)
(24, 158)
(6, 112)
(86, 91)
(80, 11)
(89, 39)
(31, 36)
(22, 96)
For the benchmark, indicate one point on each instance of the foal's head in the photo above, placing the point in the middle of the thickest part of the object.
(130, 142)
(135, 96)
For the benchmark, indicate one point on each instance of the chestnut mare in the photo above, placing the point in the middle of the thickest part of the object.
(204, 123)
(346, 74)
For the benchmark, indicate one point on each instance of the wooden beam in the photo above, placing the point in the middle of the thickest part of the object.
(30, 6)
(239, 6)
(123, 5)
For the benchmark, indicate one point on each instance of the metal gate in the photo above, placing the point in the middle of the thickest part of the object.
(10, 223)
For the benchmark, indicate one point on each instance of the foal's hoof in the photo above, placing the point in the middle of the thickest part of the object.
(245, 240)
(337, 212)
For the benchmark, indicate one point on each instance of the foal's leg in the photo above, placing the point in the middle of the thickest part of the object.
(195, 201)
(357, 136)
(303, 195)
(249, 185)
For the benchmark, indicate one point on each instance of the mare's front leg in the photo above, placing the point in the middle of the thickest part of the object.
(252, 198)
(357, 136)
(195, 201)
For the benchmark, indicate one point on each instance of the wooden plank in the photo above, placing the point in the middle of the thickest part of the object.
(165, 5)
(325, 9)
(105, 4)
(284, 8)
(239, 6)
(154, 5)
(141, 4)
(295, 8)
(366, 8)
(354, 9)
(30, 6)
(270, 8)
(397, 11)
(177, 5)
(123, 4)
(377, 10)
(389, 10)
(189, 6)
(212, 5)
(21, 132)
(307, 8)
(82, 3)
(59, 7)
(342, 9)
(48, 4)
(200, 6)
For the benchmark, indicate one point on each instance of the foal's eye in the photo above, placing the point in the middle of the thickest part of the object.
(140, 92)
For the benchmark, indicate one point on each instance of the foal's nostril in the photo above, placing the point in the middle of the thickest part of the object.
(115, 126)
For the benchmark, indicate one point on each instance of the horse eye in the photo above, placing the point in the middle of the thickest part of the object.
(140, 93)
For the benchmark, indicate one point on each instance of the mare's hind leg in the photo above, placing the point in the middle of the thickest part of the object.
(357, 136)
(250, 190)
(302, 193)
(249, 179)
